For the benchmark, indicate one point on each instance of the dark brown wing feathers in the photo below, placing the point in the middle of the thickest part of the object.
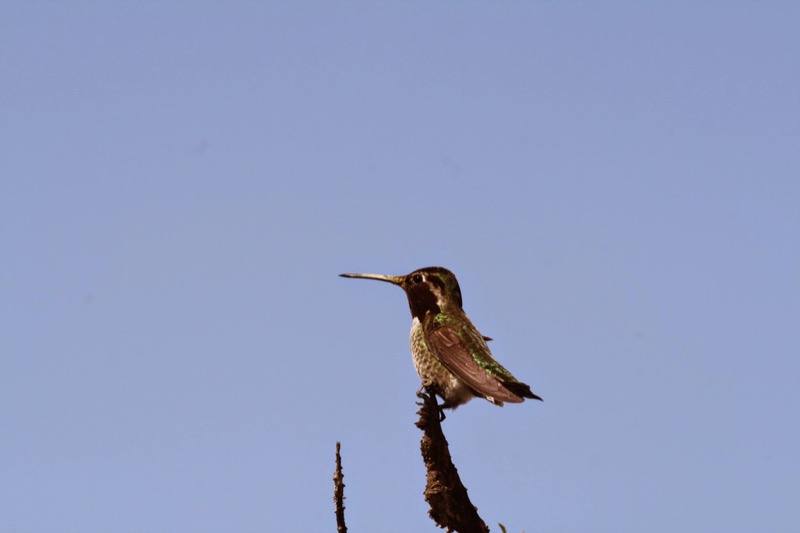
(454, 355)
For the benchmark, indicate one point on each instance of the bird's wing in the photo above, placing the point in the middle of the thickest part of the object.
(456, 357)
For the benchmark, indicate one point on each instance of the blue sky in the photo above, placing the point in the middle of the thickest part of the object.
(615, 186)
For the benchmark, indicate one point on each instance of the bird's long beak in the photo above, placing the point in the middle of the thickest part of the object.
(395, 280)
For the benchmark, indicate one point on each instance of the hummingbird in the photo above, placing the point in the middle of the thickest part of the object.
(449, 353)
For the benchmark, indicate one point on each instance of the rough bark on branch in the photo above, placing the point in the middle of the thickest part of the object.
(450, 506)
(338, 492)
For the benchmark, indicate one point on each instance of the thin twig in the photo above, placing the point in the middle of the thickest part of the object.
(338, 492)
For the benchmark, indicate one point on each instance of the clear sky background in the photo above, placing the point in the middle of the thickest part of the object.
(616, 187)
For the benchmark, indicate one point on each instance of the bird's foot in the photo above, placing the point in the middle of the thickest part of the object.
(424, 393)
(439, 408)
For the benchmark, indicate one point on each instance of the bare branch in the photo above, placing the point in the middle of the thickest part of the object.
(451, 508)
(338, 492)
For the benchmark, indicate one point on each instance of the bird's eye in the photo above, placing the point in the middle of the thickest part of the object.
(416, 278)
